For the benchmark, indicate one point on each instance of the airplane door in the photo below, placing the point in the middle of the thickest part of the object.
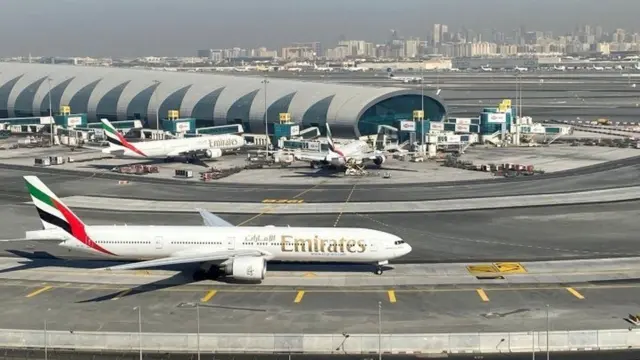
(231, 243)
(159, 242)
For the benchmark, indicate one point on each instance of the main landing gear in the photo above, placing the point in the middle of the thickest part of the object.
(210, 273)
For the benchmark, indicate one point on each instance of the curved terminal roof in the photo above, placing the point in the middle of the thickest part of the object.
(121, 94)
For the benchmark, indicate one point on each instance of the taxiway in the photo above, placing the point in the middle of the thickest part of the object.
(561, 232)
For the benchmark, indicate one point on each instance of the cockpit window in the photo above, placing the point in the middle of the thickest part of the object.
(399, 242)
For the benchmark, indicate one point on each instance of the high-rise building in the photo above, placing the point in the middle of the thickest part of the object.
(435, 35)
(205, 53)
(411, 48)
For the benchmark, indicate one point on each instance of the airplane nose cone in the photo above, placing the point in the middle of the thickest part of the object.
(407, 249)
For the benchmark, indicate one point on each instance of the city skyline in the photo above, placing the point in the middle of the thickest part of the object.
(121, 28)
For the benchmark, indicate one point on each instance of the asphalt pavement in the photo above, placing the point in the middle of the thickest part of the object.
(64, 183)
(524, 234)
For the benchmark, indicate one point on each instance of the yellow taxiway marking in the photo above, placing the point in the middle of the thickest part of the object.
(392, 296)
(210, 294)
(483, 295)
(299, 296)
(39, 291)
(270, 208)
(575, 293)
(121, 294)
(282, 201)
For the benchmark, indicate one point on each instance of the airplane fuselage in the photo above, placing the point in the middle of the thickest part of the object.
(171, 148)
(352, 245)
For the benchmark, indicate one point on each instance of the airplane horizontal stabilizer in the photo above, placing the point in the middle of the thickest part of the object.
(28, 239)
(210, 219)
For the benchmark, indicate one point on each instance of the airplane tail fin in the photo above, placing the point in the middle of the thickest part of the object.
(115, 139)
(330, 143)
(52, 212)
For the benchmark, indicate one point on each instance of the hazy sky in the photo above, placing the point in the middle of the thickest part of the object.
(179, 27)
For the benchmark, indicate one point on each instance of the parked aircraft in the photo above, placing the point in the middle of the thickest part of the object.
(354, 153)
(560, 68)
(322, 68)
(218, 248)
(597, 68)
(406, 79)
(194, 148)
(521, 69)
(487, 68)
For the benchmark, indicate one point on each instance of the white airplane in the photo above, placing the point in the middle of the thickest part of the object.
(488, 69)
(353, 153)
(218, 248)
(354, 68)
(521, 69)
(560, 68)
(597, 68)
(322, 68)
(406, 79)
(636, 66)
(209, 147)
(294, 69)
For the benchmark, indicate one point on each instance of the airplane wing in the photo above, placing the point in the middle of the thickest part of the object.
(187, 150)
(221, 255)
(311, 156)
(210, 219)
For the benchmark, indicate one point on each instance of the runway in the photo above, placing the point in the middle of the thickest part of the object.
(525, 234)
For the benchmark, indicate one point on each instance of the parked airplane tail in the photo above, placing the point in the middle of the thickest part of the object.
(331, 144)
(116, 140)
(55, 215)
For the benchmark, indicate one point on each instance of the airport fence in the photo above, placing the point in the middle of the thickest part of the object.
(587, 340)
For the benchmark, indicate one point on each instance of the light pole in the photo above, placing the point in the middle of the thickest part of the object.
(46, 338)
(139, 329)
(547, 331)
(379, 330)
(422, 142)
(266, 124)
(533, 345)
(46, 346)
(198, 326)
(52, 123)
(155, 95)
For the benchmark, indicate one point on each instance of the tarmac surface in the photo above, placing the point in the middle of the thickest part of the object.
(463, 309)
(611, 174)
(524, 234)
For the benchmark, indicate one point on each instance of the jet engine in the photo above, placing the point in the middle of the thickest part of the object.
(247, 268)
(379, 160)
(213, 153)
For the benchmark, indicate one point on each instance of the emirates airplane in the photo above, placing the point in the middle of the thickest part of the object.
(208, 147)
(219, 248)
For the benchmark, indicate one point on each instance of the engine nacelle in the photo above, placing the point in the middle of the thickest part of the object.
(379, 160)
(213, 153)
(247, 268)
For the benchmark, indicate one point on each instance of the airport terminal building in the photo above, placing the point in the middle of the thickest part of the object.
(213, 99)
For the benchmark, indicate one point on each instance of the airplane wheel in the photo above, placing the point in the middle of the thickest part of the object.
(379, 270)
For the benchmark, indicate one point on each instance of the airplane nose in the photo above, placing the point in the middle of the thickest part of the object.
(407, 249)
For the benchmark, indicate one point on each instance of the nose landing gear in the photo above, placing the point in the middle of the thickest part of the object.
(380, 267)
